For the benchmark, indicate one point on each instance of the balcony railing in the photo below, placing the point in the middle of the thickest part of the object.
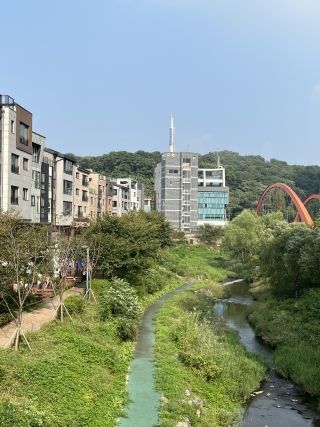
(6, 101)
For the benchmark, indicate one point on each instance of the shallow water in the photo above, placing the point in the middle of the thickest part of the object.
(281, 404)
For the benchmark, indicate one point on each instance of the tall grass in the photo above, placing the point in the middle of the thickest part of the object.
(198, 356)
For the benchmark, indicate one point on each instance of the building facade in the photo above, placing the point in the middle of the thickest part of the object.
(98, 195)
(187, 195)
(46, 186)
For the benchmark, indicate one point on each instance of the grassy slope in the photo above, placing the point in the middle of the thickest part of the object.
(75, 375)
(197, 353)
(292, 327)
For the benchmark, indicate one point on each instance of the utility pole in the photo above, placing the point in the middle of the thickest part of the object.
(89, 292)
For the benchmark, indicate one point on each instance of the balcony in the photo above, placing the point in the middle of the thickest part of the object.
(6, 101)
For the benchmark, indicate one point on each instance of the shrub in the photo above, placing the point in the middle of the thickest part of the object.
(208, 369)
(126, 329)
(75, 304)
(5, 318)
(119, 300)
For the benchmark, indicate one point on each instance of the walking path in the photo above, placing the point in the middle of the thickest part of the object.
(34, 320)
(143, 408)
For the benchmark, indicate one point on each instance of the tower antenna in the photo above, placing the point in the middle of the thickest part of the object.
(172, 135)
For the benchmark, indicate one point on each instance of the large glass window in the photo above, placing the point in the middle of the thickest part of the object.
(24, 134)
(36, 176)
(84, 196)
(67, 208)
(25, 194)
(14, 195)
(212, 205)
(36, 150)
(14, 163)
(67, 187)
(67, 166)
(25, 164)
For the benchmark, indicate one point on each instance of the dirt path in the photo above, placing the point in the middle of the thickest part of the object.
(34, 320)
(143, 408)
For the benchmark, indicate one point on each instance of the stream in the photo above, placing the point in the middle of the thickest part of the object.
(278, 403)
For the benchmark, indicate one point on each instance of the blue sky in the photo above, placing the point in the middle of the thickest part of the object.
(104, 75)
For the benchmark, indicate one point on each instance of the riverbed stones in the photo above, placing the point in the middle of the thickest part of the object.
(184, 423)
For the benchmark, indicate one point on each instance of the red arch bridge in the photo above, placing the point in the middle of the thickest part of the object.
(302, 213)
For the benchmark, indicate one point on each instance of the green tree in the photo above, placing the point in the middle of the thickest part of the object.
(24, 255)
(210, 234)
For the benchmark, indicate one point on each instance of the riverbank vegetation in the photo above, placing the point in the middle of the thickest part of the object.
(283, 261)
(203, 371)
(75, 374)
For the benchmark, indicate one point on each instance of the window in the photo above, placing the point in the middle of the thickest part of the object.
(186, 174)
(13, 126)
(14, 195)
(85, 180)
(14, 163)
(25, 164)
(92, 200)
(80, 212)
(24, 134)
(25, 194)
(67, 208)
(36, 178)
(84, 196)
(33, 200)
(114, 204)
(186, 162)
(43, 181)
(67, 166)
(36, 150)
(175, 171)
(77, 191)
(67, 187)
(77, 175)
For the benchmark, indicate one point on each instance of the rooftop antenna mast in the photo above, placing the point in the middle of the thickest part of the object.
(172, 135)
(218, 158)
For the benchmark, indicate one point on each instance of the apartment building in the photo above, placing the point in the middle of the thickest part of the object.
(98, 195)
(16, 157)
(213, 196)
(135, 199)
(81, 210)
(46, 186)
(187, 195)
(38, 208)
(120, 199)
(176, 186)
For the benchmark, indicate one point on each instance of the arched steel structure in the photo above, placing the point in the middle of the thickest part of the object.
(306, 203)
(302, 211)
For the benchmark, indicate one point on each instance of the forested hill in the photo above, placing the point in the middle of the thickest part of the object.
(246, 175)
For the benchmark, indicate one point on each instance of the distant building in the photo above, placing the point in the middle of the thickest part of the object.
(98, 195)
(187, 195)
(147, 204)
